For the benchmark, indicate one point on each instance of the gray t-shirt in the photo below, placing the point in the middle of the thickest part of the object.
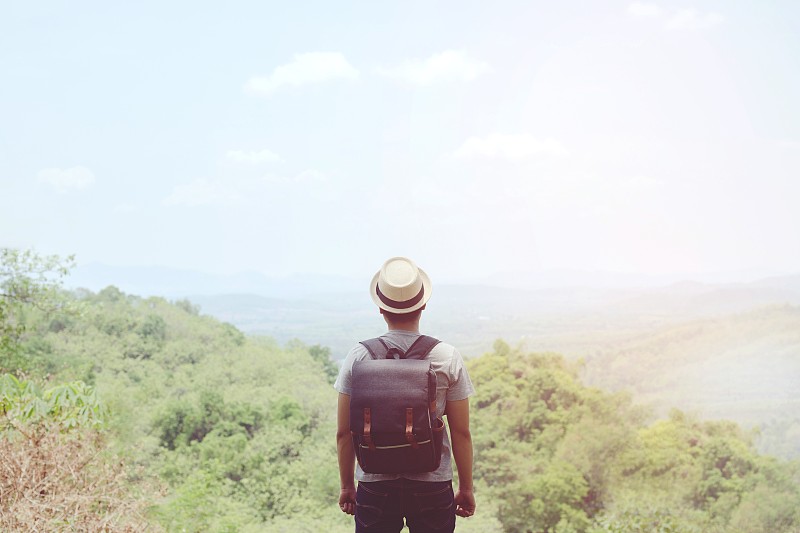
(452, 383)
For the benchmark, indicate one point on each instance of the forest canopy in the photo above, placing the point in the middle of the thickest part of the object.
(186, 424)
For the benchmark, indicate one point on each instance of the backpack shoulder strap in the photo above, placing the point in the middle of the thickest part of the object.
(376, 347)
(421, 347)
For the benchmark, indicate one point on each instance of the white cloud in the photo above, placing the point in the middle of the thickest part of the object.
(503, 146)
(252, 156)
(66, 179)
(691, 19)
(312, 67)
(681, 19)
(642, 10)
(448, 66)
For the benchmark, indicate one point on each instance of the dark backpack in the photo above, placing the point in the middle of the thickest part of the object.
(393, 409)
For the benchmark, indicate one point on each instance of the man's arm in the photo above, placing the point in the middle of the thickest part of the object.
(347, 457)
(458, 420)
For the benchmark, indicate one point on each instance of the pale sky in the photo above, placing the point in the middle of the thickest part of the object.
(474, 137)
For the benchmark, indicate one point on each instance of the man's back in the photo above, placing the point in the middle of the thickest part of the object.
(426, 500)
(452, 383)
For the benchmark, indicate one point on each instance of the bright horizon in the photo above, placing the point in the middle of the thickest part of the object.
(642, 137)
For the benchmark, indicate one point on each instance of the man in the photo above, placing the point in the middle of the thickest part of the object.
(401, 291)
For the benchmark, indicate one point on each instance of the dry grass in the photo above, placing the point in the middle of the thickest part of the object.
(52, 481)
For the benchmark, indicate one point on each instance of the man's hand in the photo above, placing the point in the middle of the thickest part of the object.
(461, 443)
(347, 500)
(465, 503)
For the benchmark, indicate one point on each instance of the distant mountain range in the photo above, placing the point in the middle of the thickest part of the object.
(561, 278)
(174, 282)
(571, 321)
(179, 283)
(335, 311)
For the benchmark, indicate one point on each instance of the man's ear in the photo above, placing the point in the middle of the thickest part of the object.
(423, 307)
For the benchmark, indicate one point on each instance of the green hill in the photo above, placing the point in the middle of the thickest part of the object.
(238, 432)
(744, 367)
(211, 430)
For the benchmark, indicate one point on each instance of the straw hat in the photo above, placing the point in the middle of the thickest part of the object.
(400, 286)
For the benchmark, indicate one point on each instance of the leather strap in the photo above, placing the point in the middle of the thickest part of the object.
(421, 347)
(410, 427)
(368, 429)
(376, 347)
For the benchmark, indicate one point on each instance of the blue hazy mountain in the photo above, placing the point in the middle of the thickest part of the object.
(179, 283)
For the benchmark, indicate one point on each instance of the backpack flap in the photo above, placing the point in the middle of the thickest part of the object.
(388, 388)
(393, 409)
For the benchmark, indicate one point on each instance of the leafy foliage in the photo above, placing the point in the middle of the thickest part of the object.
(322, 354)
(27, 281)
(563, 457)
(235, 433)
(240, 430)
(69, 405)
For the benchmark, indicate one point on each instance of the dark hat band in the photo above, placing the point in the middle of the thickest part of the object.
(400, 305)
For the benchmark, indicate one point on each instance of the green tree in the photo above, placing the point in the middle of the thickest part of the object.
(322, 354)
(27, 280)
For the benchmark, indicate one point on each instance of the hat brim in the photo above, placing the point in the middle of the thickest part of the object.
(426, 294)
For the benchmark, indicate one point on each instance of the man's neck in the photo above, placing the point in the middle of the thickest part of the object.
(412, 328)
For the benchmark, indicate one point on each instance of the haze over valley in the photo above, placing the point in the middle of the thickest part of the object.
(721, 350)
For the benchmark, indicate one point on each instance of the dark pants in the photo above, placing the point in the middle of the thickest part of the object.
(427, 506)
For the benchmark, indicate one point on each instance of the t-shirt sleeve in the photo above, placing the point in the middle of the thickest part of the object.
(344, 381)
(460, 384)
